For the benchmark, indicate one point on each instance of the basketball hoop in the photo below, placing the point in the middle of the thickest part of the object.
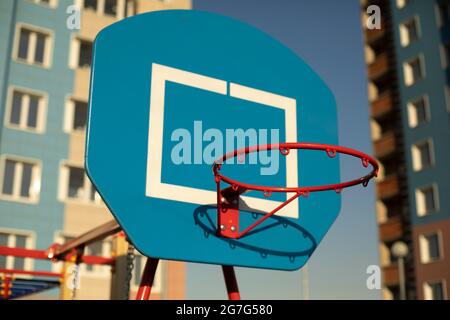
(227, 199)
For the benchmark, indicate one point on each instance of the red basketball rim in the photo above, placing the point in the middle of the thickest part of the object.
(285, 148)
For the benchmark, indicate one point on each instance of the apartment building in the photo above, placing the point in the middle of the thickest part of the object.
(45, 195)
(408, 62)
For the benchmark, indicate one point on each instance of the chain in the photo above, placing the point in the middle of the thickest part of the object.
(130, 266)
(75, 275)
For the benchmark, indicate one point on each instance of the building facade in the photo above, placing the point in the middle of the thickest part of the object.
(408, 62)
(45, 196)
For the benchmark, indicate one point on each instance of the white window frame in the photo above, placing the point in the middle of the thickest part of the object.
(437, 13)
(29, 244)
(445, 63)
(101, 8)
(69, 116)
(64, 186)
(413, 121)
(98, 271)
(403, 31)
(130, 9)
(401, 3)
(42, 110)
(48, 50)
(420, 200)
(52, 3)
(423, 246)
(35, 178)
(416, 156)
(159, 274)
(407, 70)
(427, 292)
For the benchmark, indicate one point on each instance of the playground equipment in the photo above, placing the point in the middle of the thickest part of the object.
(13, 286)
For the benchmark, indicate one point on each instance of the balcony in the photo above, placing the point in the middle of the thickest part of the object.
(382, 105)
(386, 145)
(379, 67)
(389, 187)
(372, 35)
(390, 274)
(391, 230)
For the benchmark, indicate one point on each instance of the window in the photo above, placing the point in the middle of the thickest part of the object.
(81, 53)
(111, 7)
(413, 71)
(401, 3)
(409, 31)
(434, 291)
(49, 3)
(33, 46)
(75, 185)
(114, 8)
(15, 240)
(100, 249)
(90, 4)
(139, 265)
(445, 55)
(76, 116)
(427, 200)
(418, 112)
(430, 247)
(443, 14)
(20, 180)
(447, 97)
(85, 54)
(26, 110)
(422, 155)
(94, 249)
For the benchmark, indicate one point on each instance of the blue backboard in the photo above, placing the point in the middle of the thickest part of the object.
(171, 91)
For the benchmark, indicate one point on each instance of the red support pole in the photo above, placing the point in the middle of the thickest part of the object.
(145, 287)
(231, 283)
(44, 255)
(23, 253)
(31, 273)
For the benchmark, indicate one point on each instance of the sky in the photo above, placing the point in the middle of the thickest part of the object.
(327, 35)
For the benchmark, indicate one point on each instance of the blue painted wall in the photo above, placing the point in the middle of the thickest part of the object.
(50, 147)
(433, 85)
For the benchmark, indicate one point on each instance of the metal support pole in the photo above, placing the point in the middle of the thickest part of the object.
(71, 275)
(231, 283)
(148, 276)
(401, 275)
(5, 291)
(94, 235)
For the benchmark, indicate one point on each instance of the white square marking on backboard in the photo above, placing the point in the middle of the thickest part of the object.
(154, 186)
